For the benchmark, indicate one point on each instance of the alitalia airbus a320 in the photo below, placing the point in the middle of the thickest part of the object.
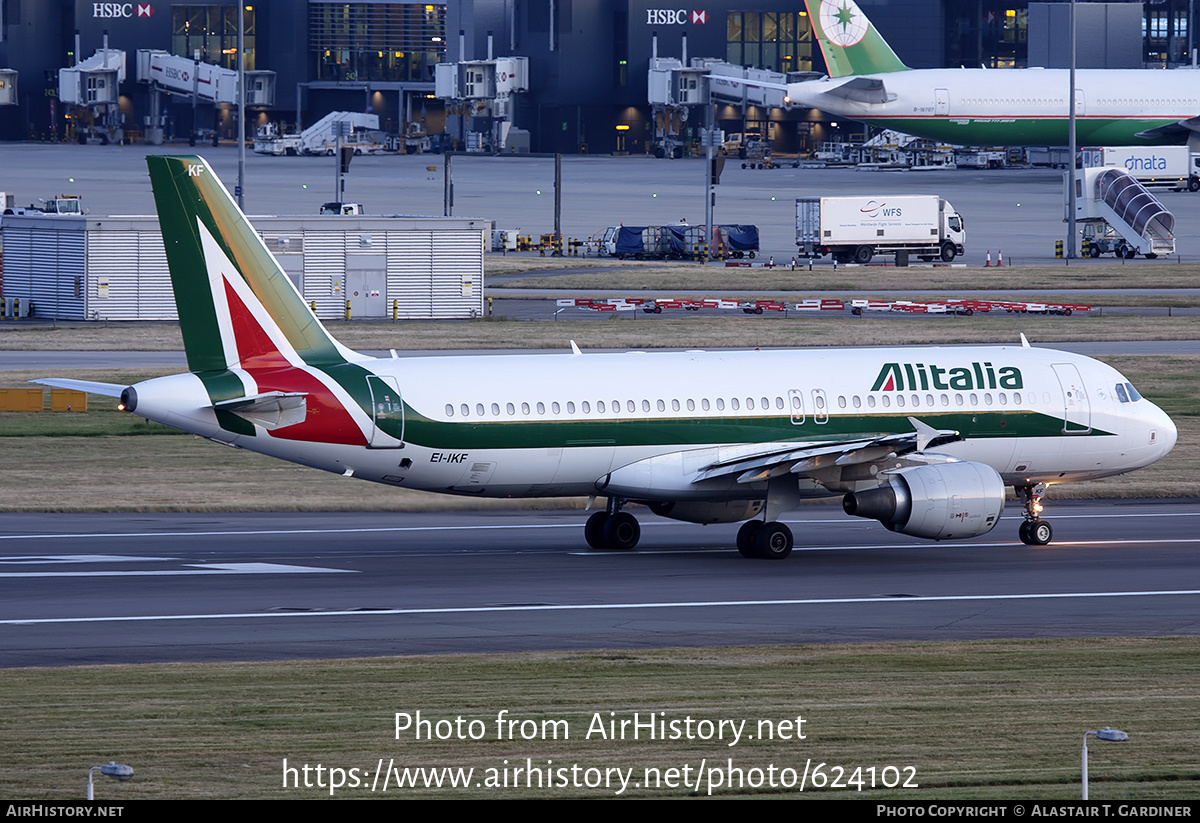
(925, 440)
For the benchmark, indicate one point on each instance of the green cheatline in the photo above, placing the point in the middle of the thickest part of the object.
(707, 431)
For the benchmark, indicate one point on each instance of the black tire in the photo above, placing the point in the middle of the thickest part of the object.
(948, 252)
(758, 309)
(1094, 251)
(746, 545)
(1194, 184)
(1130, 253)
(863, 255)
(1040, 533)
(773, 541)
(1151, 256)
(1023, 532)
(856, 311)
(621, 532)
(593, 530)
(751, 255)
(658, 309)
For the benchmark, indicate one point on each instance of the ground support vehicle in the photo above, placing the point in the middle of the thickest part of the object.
(855, 229)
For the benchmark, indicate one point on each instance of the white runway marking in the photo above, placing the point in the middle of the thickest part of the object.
(834, 601)
(44, 559)
(501, 527)
(191, 569)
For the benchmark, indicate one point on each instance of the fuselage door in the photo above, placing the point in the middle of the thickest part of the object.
(941, 102)
(387, 411)
(1077, 409)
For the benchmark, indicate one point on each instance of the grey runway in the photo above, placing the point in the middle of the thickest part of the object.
(111, 588)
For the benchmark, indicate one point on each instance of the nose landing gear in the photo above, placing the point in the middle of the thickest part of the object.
(1034, 531)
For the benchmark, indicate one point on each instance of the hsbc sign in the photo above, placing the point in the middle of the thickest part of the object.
(108, 11)
(675, 17)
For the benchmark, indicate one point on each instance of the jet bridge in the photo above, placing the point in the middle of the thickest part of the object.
(1120, 216)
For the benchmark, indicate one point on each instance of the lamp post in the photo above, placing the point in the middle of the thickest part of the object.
(117, 771)
(1112, 735)
(1071, 239)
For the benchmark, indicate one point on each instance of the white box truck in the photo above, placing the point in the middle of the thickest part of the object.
(1173, 167)
(855, 229)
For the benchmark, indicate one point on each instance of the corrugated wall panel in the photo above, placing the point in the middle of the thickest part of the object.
(410, 265)
(325, 272)
(40, 267)
(113, 283)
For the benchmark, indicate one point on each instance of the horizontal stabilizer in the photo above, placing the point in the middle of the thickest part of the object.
(89, 386)
(862, 90)
(271, 410)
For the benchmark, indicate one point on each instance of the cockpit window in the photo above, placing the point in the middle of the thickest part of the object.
(1133, 393)
(1121, 395)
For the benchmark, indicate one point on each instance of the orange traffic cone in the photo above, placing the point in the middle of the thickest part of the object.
(989, 259)
(999, 258)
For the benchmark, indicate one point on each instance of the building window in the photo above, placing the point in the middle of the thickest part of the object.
(376, 41)
(213, 32)
(777, 41)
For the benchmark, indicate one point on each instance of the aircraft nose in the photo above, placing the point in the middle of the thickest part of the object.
(1163, 432)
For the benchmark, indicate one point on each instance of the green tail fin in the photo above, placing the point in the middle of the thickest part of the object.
(849, 43)
(192, 206)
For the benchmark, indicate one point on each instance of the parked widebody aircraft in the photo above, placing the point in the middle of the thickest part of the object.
(922, 439)
(991, 107)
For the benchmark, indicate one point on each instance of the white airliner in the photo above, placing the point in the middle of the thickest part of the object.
(922, 439)
(991, 107)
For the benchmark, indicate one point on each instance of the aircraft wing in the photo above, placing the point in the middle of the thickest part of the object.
(861, 90)
(722, 468)
(801, 459)
(90, 386)
(1182, 129)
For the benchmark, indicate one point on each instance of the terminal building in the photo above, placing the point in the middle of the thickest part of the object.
(587, 59)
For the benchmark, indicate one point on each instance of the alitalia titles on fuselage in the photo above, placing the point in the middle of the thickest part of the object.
(925, 376)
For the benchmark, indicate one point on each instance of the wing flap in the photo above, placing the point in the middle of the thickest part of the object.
(772, 461)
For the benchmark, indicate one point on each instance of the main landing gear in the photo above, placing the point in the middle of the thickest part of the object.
(612, 529)
(768, 541)
(1034, 531)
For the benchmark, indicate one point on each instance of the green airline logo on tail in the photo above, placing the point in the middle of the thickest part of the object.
(849, 43)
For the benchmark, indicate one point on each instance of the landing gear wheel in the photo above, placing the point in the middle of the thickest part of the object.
(1036, 533)
(593, 530)
(948, 253)
(746, 544)
(773, 541)
(621, 532)
(863, 255)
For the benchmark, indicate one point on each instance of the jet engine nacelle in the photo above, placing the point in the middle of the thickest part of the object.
(939, 502)
(708, 511)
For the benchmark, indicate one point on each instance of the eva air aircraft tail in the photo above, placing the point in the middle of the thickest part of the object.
(922, 439)
(849, 43)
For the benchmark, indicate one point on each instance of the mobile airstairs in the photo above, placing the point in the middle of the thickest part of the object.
(1118, 215)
